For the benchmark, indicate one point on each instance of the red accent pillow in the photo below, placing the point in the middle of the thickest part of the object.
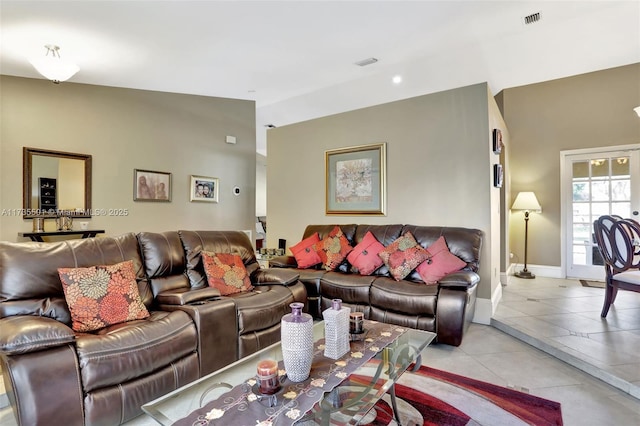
(226, 272)
(364, 256)
(102, 295)
(403, 255)
(305, 252)
(440, 263)
(333, 249)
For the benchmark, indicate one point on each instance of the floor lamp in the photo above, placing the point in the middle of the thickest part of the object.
(528, 202)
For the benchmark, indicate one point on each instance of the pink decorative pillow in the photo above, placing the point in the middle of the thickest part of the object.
(226, 272)
(403, 255)
(364, 256)
(305, 252)
(333, 249)
(104, 295)
(440, 263)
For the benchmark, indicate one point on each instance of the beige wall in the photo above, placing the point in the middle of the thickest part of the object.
(439, 164)
(584, 111)
(125, 129)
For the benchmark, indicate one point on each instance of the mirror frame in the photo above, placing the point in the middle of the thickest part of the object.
(30, 211)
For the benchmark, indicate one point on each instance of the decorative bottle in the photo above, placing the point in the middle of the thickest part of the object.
(296, 330)
(336, 330)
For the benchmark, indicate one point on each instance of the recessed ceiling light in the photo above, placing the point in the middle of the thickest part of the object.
(397, 79)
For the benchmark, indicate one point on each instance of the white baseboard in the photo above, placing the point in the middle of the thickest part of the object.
(539, 270)
(485, 308)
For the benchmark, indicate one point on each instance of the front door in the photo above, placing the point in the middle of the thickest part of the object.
(595, 183)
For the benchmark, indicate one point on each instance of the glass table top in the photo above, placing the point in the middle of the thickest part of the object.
(346, 404)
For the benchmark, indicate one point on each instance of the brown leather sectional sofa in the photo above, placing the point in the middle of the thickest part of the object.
(446, 308)
(54, 375)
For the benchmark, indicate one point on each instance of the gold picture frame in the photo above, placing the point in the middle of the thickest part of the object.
(204, 189)
(356, 180)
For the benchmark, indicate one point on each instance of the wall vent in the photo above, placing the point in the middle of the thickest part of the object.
(365, 62)
(531, 19)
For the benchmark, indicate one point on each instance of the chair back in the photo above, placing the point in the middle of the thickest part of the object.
(619, 242)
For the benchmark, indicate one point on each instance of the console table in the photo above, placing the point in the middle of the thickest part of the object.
(37, 236)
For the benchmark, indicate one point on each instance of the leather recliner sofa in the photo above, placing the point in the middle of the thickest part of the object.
(54, 375)
(446, 308)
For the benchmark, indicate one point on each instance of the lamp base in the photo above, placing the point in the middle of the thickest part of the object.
(524, 274)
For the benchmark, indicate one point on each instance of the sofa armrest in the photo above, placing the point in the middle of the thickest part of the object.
(183, 297)
(22, 334)
(283, 262)
(271, 276)
(459, 280)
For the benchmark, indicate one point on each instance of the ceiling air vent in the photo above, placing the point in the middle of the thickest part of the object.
(365, 62)
(531, 19)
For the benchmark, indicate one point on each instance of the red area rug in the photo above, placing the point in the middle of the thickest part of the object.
(434, 397)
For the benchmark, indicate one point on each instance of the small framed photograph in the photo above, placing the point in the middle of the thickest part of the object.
(149, 185)
(204, 189)
(498, 175)
(356, 180)
(497, 141)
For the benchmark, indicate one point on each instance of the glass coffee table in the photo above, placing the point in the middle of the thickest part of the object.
(347, 403)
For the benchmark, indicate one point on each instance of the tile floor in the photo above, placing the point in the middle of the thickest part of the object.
(562, 318)
(489, 354)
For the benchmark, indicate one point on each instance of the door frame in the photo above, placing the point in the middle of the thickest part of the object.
(565, 193)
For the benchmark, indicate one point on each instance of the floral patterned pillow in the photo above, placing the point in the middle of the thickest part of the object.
(403, 255)
(103, 295)
(333, 249)
(226, 272)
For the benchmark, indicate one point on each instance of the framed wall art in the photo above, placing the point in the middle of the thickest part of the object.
(497, 141)
(498, 175)
(204, 189)
(149, 185)
(356, 180)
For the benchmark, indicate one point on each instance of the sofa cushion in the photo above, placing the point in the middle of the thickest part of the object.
(333, 249)
(126, 351)
(440, 263)
(226, 272)
(403, 255)
(305, 252)
(262, 308)
(102, 295)
(364, 256)
(406, 297)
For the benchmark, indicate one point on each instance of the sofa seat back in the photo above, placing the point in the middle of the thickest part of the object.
(164, 261)
(29, 280)
(233, 242)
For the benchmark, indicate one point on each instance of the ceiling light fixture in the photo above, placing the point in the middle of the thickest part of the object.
(637, 110)
(397, 79)
(53, 67)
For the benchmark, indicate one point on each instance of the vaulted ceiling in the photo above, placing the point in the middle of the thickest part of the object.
(296, 59)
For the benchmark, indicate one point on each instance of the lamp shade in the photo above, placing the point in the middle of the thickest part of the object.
(53, 67)
(526, 201)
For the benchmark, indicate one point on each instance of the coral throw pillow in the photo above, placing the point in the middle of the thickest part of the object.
(364, 256)
(226, 272)
(440, 263)
(104, 295)
(403, 255)
(333, 249)
(305, 252)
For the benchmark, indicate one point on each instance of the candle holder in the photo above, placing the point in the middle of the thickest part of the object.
(268, 380)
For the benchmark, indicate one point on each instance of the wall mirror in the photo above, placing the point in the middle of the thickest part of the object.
(55, 183)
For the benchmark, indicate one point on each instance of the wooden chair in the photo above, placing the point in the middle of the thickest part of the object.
(619, 242)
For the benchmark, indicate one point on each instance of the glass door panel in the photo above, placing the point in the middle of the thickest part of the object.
(601, 183)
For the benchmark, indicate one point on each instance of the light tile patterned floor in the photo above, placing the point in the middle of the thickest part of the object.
(562, 318)
(491, 355)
